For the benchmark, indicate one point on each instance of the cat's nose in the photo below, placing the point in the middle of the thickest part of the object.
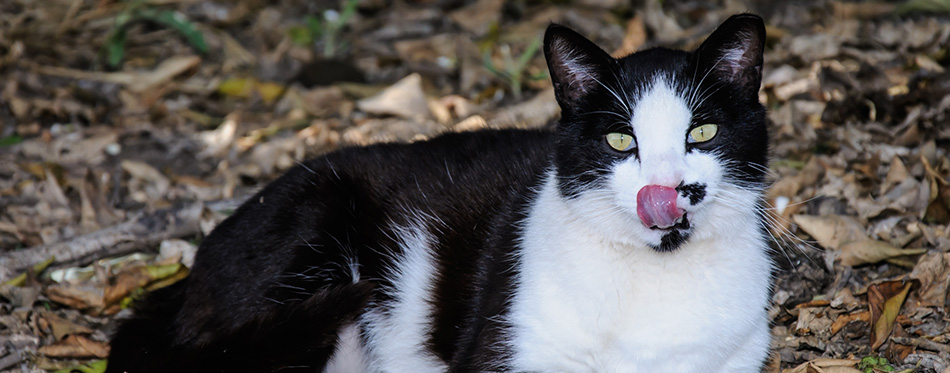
(656, 206)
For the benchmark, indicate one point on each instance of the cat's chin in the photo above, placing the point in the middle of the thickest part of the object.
(671, 238)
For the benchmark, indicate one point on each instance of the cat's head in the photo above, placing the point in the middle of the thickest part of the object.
(661, 146)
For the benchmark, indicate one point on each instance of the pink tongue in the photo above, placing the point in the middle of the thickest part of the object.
(656, 206)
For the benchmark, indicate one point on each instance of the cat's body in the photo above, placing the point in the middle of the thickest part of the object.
(504, 250)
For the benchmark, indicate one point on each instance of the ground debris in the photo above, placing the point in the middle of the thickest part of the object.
(145, 156)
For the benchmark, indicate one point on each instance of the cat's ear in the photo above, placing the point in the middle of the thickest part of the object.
(576, 64)
(734, 51)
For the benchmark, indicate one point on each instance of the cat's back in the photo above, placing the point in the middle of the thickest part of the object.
(438, 171)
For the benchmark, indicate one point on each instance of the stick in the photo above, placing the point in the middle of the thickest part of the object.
(925, 344)
(141, 231)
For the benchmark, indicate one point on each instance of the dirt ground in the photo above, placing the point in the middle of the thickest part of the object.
(128, 129)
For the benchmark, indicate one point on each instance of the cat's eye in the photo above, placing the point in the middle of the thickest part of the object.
(621, 141)
(702, 133)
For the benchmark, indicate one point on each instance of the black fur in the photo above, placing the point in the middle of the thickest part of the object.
(272, 285)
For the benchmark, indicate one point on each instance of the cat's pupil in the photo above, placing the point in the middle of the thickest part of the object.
(621, 141)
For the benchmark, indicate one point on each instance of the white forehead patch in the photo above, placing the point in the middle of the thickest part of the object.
(660, 120)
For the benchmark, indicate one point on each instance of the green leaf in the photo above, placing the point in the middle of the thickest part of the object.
(11, 140)
(98, 366)
(300, 35)
(37, 268)
(924, 6)
(115, 47)
(178, 22)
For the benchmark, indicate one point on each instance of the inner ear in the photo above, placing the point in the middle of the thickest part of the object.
(576, 64)
(734, 51)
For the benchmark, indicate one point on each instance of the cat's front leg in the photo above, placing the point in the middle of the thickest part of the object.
(751, 355)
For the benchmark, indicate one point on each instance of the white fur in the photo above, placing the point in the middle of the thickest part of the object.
(593, 295)
(349, 356)
(397, 331)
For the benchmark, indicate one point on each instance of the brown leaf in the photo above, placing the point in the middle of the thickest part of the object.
(856, 253)
(896, 174)
(404, 99)
(478, 16)
(814, 321)
(76, 347)
(938, 208)
(633, 38)
(137, 277)
(844, 320)
(128, 280)
(825, 365)
(80, 297)
(933, 272)
(885, 301)
(831, 231)
(62, 327)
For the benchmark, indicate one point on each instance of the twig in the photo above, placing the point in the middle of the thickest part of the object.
(925, 344)
(143, 230)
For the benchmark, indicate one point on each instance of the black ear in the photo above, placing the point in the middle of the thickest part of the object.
(734, 51)
(576, 64)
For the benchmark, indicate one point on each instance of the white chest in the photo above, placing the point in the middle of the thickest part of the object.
(587, 305)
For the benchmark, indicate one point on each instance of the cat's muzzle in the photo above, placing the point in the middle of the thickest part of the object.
(656, 207)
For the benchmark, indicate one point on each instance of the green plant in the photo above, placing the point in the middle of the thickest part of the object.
(137, 11)
(11, 140)
(326, 31)
(873, 364)
(512, 71)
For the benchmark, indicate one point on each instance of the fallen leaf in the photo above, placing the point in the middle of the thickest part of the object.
(826, 365)
(62, 327)
(856, 253)
(885, 301)
(80, 297)
(831, 231)
(139, 81)
(21, 296)
(844, 320)
(479, 16)
(403, 99)
(634, 37)
(76, 347)
(147, 184)
(137, 277)
(98, 366)
(248, 87)
(933, 272)
(813, 321)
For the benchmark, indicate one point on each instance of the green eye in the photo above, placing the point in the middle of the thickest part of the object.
(702, 133)
(621, 141)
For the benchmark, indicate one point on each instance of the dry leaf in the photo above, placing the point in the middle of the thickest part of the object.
(831, 231)
(896, 174)
(137, 277)
(885, 301)
(76, 347)
(62, 327)
(479, 16)
(933, 272)
(826, 365)
(856, 253)
(404, 99)
(844, 320)
(814, 321)
(633, 39)
(138, 82)
(81, 297)
(147, 184)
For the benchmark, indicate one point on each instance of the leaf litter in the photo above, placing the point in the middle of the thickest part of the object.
(128, 129)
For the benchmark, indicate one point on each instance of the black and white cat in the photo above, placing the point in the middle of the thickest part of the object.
(631, 239)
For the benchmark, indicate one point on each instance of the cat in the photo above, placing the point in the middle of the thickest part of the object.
(628, 239)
